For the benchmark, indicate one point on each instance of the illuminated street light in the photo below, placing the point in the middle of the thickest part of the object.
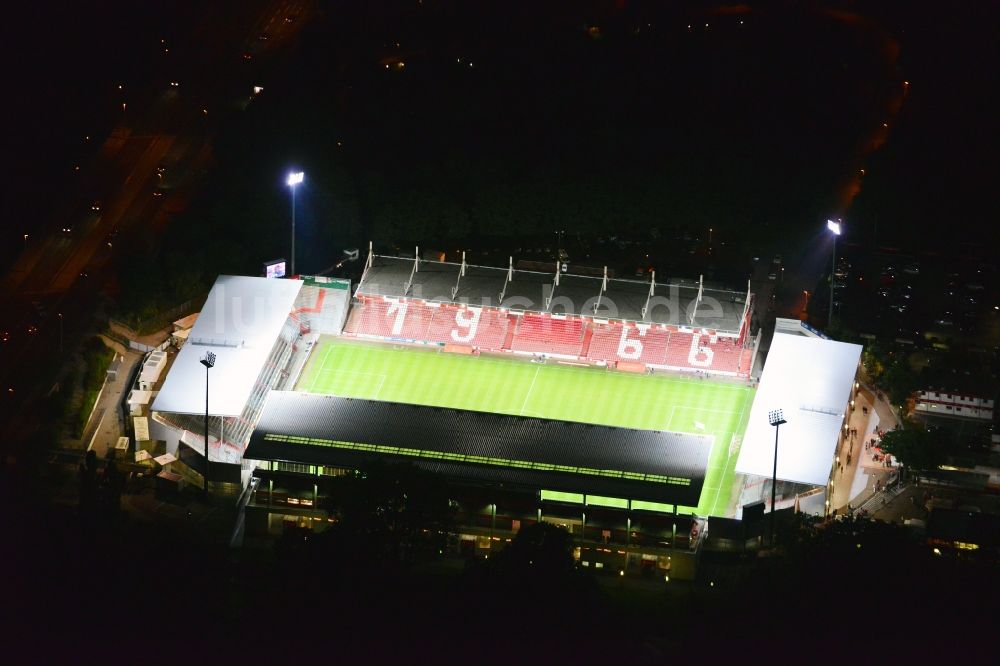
(294, 178)
(835, 228)
(776, 418)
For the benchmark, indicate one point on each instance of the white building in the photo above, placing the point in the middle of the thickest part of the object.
(936, 402)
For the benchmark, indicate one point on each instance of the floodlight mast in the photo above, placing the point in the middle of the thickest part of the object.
(208, 362)
(294, 178)
(834, 227)
(776, 417)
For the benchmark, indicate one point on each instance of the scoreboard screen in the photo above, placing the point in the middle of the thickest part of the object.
(274, 268)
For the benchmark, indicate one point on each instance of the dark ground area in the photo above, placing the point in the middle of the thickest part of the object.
(853, 588)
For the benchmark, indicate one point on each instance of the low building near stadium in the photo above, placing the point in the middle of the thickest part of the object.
(814, 381)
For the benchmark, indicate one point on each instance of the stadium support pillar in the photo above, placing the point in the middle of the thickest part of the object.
(461, 274)
(493, 522)
(604, 288)
(552, 293)
(368, 264)
(628, 538)
(697, 301)
(652, 288)
(673, 531)
(416, 264)
(510, 278)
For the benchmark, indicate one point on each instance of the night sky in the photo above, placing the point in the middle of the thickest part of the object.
(764, 118)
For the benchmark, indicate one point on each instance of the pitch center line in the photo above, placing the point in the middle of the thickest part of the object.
(528, 394)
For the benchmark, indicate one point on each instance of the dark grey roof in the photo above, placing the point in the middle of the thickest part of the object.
(721, 309)
(479, 446)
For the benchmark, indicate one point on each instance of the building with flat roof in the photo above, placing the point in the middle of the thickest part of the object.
(813, 380)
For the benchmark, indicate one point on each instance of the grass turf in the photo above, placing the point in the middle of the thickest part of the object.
(513, 386)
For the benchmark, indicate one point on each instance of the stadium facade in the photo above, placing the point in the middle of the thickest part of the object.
(278, 445)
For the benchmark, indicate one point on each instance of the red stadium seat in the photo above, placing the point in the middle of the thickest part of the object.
(476, 327)
(487, 329)
(408, 320)
(413, 320)
(695, 351)
(618, 342)
(544, 334)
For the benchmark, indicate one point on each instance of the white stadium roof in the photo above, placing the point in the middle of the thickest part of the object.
(811, 380)
(239, 322)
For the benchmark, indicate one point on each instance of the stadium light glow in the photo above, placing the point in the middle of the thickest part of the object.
(833, 226)
(295, 178)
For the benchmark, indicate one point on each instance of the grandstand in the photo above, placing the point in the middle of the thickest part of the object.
(814, 381)
(650, 465)
(259, 330)
(676, 326)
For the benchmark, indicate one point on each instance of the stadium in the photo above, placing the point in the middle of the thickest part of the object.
(619, 408)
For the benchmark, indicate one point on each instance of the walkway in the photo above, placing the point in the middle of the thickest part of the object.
(106, 422)
(856, 480)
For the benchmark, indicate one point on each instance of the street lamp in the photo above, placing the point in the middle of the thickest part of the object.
(835, 228)
(294, 179)
(776, 417)
(208, 362)
(25, 242)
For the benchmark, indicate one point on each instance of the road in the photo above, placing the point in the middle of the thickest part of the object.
(66, 273)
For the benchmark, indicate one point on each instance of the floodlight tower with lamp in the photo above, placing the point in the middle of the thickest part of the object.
(777, 418)
(294, 178)
(208, 362)
(833, 226)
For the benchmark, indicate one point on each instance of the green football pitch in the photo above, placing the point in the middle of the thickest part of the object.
(552, 391)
